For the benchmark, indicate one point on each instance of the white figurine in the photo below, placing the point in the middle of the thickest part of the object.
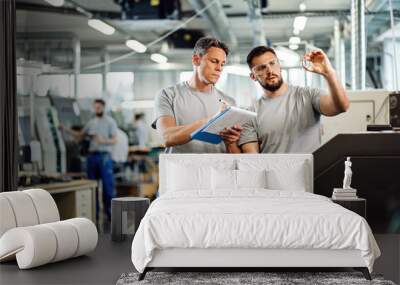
(347, 174)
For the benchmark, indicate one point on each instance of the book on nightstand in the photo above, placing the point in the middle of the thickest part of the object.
(344, 194)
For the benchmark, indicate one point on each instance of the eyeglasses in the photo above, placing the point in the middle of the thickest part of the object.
(262, 68)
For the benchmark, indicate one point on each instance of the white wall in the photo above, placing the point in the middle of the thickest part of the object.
(242, 88)
(148, 83)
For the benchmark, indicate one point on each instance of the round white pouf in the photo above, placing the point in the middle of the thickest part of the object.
(67, 240)
(23, 208)
(6, 215)
(46, 208)
(33, 246)
(87, 235)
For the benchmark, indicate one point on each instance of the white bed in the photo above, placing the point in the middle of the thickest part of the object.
(222, 210)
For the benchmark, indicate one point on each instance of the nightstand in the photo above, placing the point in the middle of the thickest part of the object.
(126, 214)
(357, 205)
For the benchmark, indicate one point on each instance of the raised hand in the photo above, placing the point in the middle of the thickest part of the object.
(316, 61)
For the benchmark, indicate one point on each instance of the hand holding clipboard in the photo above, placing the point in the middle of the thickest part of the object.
(229, 117)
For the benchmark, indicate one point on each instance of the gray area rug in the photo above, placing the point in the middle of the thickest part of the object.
(275, 278)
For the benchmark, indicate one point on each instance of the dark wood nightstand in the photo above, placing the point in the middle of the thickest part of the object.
(357, 205)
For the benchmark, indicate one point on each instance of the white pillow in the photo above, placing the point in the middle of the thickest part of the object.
(292, 179)
(235, 179)
(282, 174)
(183, 177)
(251, 179)
(223, 179)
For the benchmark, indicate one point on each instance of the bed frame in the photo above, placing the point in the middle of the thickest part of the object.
(242, 259)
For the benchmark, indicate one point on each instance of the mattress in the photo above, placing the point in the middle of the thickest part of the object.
(251, 219)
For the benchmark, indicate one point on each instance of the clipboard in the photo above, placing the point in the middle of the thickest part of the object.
(230, 116)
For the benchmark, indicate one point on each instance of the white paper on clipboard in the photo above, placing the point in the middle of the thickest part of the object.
(234, 116)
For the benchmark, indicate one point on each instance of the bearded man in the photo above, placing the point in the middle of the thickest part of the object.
(288, 117)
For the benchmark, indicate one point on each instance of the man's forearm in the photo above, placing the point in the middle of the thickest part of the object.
(232, 148)
(111, 141)
(337, 92)
(76, 134)
(179, 135)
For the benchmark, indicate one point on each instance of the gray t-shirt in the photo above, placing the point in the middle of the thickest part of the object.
(105, 127)
(286, 124)
(187, 105)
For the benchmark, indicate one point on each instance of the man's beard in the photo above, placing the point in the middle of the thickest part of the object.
(208, 82)
(272, 87)
(99, 114)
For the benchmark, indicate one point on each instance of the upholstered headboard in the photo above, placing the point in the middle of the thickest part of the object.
(281, 162)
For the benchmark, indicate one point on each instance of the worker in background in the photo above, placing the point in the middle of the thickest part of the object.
(141, 129)
(183, 108)
(288, 117)
(102, 131)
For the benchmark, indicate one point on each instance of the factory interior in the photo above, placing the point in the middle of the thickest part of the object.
(66, 61)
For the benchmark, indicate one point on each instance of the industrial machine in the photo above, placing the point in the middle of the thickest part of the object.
(145, 9)
(375, 160)
(375, 156)
(69, 115)
(367, 107)
(395, 109)
(53, 147)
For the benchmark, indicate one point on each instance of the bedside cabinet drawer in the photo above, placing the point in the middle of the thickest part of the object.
(358, 206)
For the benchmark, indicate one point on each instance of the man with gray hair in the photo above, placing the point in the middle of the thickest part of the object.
(183, 108)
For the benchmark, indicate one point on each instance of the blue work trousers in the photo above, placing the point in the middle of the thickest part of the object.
(100, 166)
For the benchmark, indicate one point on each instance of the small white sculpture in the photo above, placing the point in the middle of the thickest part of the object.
(347, 174)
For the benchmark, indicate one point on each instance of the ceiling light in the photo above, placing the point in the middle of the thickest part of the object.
(293, 46)
(101, 26)
(294, 40)
(164, 47)
(57, 3)
(159, 58)
(136, 46)
(300, 23)
(302, 7)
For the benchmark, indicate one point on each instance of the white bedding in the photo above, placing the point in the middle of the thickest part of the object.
(251, 218)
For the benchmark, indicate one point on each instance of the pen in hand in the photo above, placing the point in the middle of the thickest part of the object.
(223, 105)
